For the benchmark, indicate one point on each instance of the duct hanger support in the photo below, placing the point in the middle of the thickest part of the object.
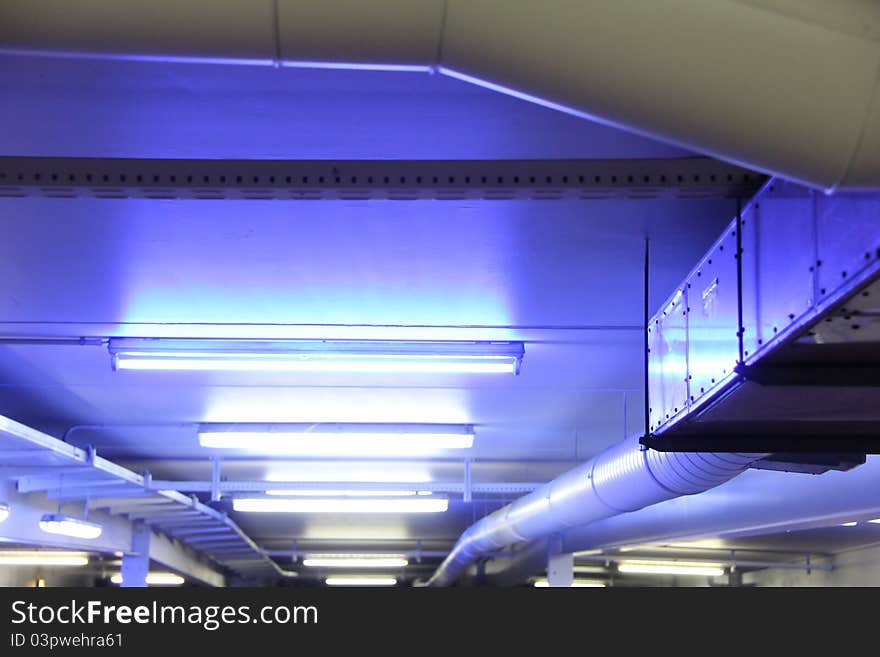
(215, 479)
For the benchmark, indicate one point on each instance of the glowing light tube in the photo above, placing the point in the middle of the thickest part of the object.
(339, 505)
(155, 579)
(55, 523)
(670, 568)
(4, 512)
(542, 583)
(355, 561)
(375, 357)
(42, 558)
(360, 581)
(343, 493)
(338, 439)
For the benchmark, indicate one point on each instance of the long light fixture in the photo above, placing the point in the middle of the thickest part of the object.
(4, 512)
(360, 581)
(589, 570)
(355, 561)
(542, 583)
(670, 568)
(155, 579)
(344, 492)
(365, 357)
(56, 523)
(42, 558)
(337, 439)
(339, 505)
(875, 521)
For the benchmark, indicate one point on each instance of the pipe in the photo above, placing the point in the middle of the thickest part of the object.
(759, 502)
(623, 478)
(787, 88)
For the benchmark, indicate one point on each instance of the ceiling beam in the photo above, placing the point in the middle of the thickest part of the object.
(61, 177)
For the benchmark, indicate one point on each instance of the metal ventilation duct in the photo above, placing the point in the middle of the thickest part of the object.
(625, 477)
(787, 87)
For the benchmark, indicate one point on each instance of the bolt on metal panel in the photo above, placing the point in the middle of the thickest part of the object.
(667, 363)
(713, 318)
(779, 258)
(848, 228)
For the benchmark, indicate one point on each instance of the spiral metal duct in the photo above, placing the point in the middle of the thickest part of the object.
(625, 477)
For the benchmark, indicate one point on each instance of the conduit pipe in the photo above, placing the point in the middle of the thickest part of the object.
(787, 87)
(625, 477)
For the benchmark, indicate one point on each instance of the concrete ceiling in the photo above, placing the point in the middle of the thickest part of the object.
(564, 276)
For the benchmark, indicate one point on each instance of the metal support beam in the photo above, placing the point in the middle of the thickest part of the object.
(136, 563)
(696, 177)
(173, 556)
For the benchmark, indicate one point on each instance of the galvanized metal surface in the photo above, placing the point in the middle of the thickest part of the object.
(810, 339)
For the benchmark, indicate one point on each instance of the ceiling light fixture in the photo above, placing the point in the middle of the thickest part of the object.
(589, 570)
(360, 581)
(542, 583)
(670, 568)
(56, 523)
(155, 579)
(338, 439)
(42, 558)
(339, 505)
(367, 357)
(292, 492)
(4, 512)
(355, 561)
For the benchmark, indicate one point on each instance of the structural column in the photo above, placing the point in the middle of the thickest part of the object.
(560, 569)
(136, 562)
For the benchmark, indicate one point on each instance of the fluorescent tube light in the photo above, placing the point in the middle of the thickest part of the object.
(542, 583)
(875, 521)
(359, 471)
(42, 558)
(850, 524)
(670, 568)
(355, 561)
(360, 581)
(292, 492)
(339, 505)
(338, 439)
(4, 512)
(367, 357)
(55, 523)
(155, 579)
(589, 570)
